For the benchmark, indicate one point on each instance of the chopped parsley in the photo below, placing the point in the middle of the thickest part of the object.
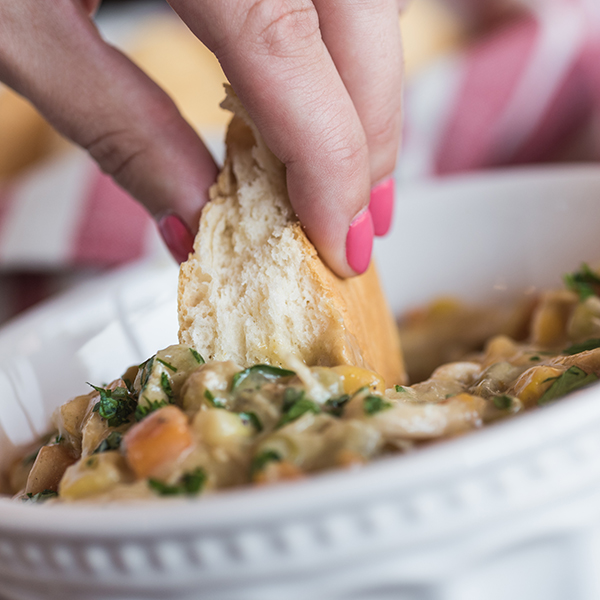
(590, 344)
(197, 356)
(252, 419)
(502, 402)
(189, 484)
(374, 404)
(266, 371)
(400, 388)
(583, 282)
(262, 459)
(115, 406)
(297, 409)
(59, 439)
(166, 364)
(534, 358)
(165, 384)
(572, 379)
(40, 496)
(145, 371)
(143, 410)
(335, 406)
(112, 442)
(213, 401)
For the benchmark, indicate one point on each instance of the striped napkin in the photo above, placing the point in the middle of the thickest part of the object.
(527, 92)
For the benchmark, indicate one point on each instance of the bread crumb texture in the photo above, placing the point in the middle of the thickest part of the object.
(255, 290)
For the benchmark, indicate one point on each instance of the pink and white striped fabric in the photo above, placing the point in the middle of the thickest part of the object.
(62, 222)
(528, 92)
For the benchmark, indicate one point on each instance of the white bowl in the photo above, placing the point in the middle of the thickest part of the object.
(509, 512)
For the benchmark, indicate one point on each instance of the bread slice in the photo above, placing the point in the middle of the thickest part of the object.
(255, 290)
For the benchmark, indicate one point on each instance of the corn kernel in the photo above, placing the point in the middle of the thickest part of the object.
(532, 384)
(355, 378)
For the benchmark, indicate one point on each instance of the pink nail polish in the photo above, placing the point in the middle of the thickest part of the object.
(381, 206)
(359, 242)
(176, 235)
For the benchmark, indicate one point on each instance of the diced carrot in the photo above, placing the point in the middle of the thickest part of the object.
(278, 471)
(157, 442)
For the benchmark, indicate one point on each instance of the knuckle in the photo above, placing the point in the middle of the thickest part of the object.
(282, 28)
(115, 151)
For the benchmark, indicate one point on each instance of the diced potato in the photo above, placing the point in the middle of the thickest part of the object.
(153, 445)
(549, 323)
(355, 378)
(93, 475)
(48, 468)
(161, 378)
(70, 416)
(218, 427)
(500, 348)
(94, 430)
(532, 384)
(585, 320)
(208, 381)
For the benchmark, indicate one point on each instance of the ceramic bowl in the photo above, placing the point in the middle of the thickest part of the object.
(512, 511)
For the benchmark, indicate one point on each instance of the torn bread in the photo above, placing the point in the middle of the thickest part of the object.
(255, 290)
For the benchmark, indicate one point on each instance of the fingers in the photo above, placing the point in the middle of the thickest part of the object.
(98, 98)
(371, 70)
(273, 53)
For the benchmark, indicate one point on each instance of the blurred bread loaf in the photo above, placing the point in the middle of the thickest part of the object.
(255, 290)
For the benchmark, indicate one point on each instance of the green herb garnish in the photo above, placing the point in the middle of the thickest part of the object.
(374, 404)
(115, 406)
(299, 408)
(252, 419)
(335, 406)
(214, 402)
(261, 460)
(197, 356)
(571, 380)
(165, 384)
(40, 496)
(146, 371)
(400, 388)
(582, 282)
(534, 358)
(502, 402)
(168, 365)
(189, 484)
(291, 395)
(590, 344)
(112, 442)
(143, 410)
(267, 371)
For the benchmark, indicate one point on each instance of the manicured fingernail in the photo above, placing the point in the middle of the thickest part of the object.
(381, 206)
(176, 235)
(359, 242)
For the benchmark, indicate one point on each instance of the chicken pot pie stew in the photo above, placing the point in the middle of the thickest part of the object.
(177, 426)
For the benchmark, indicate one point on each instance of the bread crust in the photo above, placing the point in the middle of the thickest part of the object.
(353, 324)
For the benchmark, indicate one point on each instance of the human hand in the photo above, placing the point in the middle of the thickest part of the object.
(321, 79)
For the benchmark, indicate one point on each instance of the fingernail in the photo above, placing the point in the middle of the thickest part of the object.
(176, 235)
(381, 206)
(359, 242)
